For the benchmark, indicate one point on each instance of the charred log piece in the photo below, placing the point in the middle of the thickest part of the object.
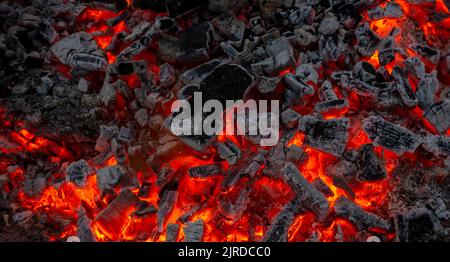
(114, 217)
(229, 26)
(145, 208)
(268, 84)
(166, 206)
(438, 115)
(370, 166)
(330, 136)
(341, 182)
(281, 154)
(234, 211)
(390, 136)
(281, 56)
(193, 231)
(311, 198)
(355, 214)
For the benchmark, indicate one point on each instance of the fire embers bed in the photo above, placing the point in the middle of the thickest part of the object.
(86, 93)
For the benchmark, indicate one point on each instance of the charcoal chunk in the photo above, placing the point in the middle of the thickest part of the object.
(205, 171)
(330, 136)
(370, 166)
(166, 206)
(390, 136)
(311, 198)
(438, 115)
(172, 232)
(78, 172)
(193, 231)
(114, 217)
(355, 214)
(414, 225)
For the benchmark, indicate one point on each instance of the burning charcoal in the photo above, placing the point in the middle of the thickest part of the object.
(376, 13)
(80, 51)
(430, 54)
(167, 76)
(123, 16)
(387, 50)
(23, 219)
(330, 101)
(197, 74)
(439, 145)
(367, 40)
(141, 117)
(282, 53)
(114, 217)
(78, 172)
(161, 25)
(193, 231)
(296, 89)
(339, 181)
(330, 136)
(107, 133)
(404, 88)
(257, 25)
(393, 10)
(427, 89)
(34, 186)
(290, 118)
(166, 205)
(205, 171)
(145, 208)
(365, 72)
(438, 115)
(415, 66)
(228, 25)
(278, 230)
(307, 194)
(119, 151)
(390, 136)
(229, 151)
(329, 26)
(296, 154)
(331, 47)
(233, 210)
(164, 175)
(322, 187)
(111, 176)
(248, 169)
(370, 166)
(268, 84)
(306, 36)
(417, 224)
(307, 73)
(84, 228)
(172, 232)
(356, 215)
(195, 44)
(125, 135)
